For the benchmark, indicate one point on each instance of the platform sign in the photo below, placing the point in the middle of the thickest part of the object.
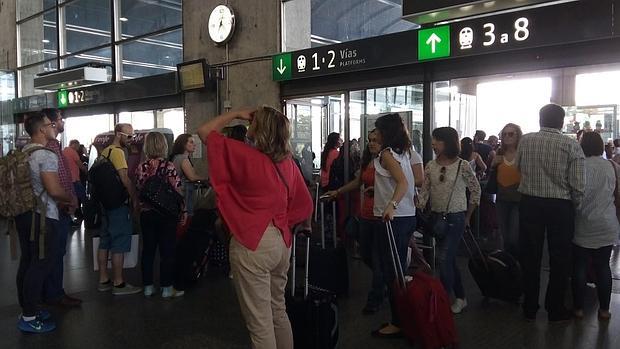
(281, 67)
(358, 55)
(63, 98)
(434, 43)
(572, 22)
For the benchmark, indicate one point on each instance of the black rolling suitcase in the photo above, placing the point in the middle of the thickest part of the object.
(313, 311)
(498, 274)
(329, 269)
(193, 249)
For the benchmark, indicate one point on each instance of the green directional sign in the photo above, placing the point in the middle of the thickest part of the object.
(282, 67)
(63, 98)
(434, 43)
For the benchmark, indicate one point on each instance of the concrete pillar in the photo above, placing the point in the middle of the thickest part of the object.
(8, 39)
(246, 58)
(563, 87)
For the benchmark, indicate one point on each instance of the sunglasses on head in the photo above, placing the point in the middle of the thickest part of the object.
(442, 176)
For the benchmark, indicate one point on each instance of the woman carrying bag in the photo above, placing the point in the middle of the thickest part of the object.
(445, 182)
(393, 201)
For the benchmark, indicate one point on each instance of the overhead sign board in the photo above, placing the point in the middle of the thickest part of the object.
(544, 26)
(536, 27)
(432, 11)
(351, 56)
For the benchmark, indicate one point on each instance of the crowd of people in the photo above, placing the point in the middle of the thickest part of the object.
(541, 191)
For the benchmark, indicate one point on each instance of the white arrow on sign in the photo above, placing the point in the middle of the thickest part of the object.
(433, 40)
(282, 67)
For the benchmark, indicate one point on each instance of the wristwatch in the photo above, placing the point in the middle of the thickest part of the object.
(394, 204)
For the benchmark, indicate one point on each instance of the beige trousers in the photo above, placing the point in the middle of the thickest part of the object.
(260, 279)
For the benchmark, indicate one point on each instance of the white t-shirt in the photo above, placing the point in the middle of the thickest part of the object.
(385, 185)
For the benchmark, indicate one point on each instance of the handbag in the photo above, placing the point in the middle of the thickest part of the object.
(491, 187)
(161, 195)
(440, 220)
(616, 190)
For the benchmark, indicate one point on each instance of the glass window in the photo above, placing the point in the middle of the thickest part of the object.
(7, 85)
(597, 88)
(140, 120)
(322, 22)
(86, 128)
(517, 101)
(26, 76)
(173, 119)
(27, 8)
(140, 17)
(100, 56)
(7, 137)
(406, 100)
(152, 55)
(37, 39)
(87, 24)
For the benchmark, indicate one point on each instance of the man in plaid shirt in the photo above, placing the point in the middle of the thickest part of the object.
(53, 290)
(552, 184)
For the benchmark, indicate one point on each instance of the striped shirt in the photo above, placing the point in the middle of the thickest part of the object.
(596, 224)
(551, 166)
(64, 174)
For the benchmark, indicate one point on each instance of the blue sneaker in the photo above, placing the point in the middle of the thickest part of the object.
(42, 315)
(35, 326)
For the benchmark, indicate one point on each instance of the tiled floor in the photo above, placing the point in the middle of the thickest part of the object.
(208, 316)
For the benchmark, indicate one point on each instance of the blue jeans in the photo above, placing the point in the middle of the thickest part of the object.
(508, 219)
(370, 251)
(52, 288)
(446, 255)
(403, 228)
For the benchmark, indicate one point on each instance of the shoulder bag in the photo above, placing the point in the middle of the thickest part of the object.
(440, 221)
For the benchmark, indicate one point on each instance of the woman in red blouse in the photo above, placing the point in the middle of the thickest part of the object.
(260, 195)
(157, 230)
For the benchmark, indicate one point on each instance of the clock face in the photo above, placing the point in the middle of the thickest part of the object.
(221, 24)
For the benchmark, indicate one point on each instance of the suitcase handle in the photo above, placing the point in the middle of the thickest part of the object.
(478, 249)
(334, 223)
(307, 267)
(398, 268)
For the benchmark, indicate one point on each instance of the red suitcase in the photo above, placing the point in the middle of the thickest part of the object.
(424, 306)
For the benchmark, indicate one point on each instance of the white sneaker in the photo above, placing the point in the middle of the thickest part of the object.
(458, 305)
(167, 292)
(149, 290)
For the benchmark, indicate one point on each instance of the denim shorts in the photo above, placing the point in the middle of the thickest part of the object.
(116, 230)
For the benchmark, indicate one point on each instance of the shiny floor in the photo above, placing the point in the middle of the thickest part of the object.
(208, 316)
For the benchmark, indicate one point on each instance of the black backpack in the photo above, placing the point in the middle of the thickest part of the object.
(105, 185)
(336, 174)
(161, 195)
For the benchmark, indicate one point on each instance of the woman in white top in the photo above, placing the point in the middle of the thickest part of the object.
(445, 182)
(596, 226)
(393, 201)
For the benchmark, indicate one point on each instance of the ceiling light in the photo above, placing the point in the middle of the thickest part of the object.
(123, 19)
(45, 41)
